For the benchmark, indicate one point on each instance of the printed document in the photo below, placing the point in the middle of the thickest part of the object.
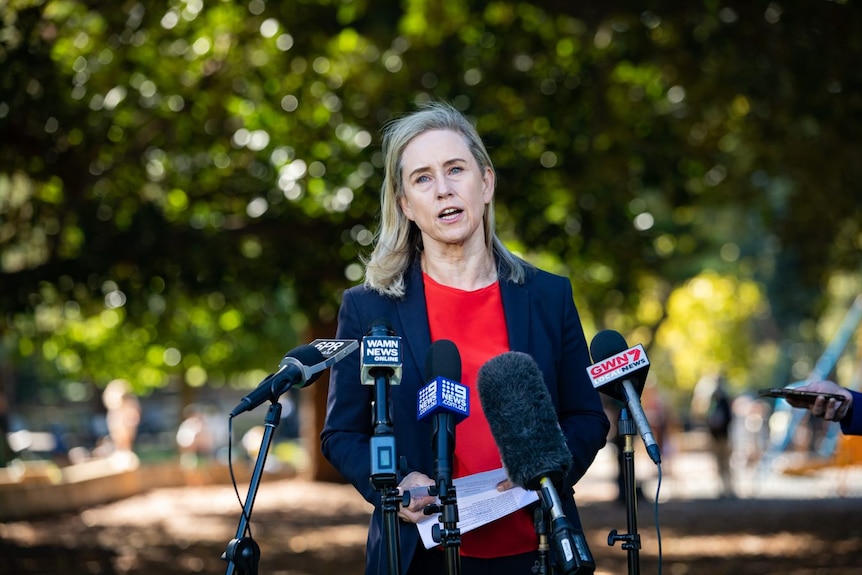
(479, 503)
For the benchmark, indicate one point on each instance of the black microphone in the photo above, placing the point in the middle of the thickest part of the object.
(524, 424)
(300, 367)
(448, 401)
(620, 371)
(381, 367)
(292, 372)
(381, 353)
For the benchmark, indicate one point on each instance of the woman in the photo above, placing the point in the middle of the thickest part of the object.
(438, 271)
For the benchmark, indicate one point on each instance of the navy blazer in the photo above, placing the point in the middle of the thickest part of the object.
(542, 321)
(853, 425)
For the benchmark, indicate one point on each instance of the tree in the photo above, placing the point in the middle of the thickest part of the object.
(189, 186)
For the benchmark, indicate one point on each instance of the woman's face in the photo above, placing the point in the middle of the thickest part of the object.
(445, 190)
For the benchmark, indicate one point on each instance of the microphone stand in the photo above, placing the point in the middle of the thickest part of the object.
(449, 535)
(631, 540)
(243, 553)
(383, 475)
(540, 523)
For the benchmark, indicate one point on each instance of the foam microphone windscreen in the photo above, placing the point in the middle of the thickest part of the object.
(523, 420)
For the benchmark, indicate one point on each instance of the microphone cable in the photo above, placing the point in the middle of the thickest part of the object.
(655, 517)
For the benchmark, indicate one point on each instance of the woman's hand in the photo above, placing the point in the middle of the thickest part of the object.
(419, 498)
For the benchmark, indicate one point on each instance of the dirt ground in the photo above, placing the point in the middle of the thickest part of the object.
(306, 528)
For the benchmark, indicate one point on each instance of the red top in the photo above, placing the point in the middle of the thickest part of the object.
(474, 322)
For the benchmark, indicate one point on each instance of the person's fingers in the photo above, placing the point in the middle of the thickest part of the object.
(415, 512)
(819, 406)
(836, 410)
(409, 516)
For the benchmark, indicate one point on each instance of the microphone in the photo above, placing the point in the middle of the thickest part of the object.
(292, 372)
(448, 401)
(381, 353)
(523, 422)
(381, 367)
(300, 367)
(620, 372)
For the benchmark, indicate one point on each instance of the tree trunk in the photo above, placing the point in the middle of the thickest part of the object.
(313, 413)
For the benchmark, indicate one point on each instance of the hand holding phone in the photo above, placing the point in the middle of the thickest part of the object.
(834, 406)
(798, 398)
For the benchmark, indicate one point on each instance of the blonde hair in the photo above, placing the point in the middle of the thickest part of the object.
(398, 240)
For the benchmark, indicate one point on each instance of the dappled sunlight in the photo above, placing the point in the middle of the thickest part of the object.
(678, 545)
(320, 528)
(333, 539)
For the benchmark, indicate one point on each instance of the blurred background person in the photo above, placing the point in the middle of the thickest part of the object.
(123, 415)
(195, 439)
(711, 407)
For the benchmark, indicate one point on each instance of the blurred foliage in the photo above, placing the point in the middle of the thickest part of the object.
(185, 187)
(711, 314)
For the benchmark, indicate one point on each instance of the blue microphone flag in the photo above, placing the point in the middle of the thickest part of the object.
(443, 395)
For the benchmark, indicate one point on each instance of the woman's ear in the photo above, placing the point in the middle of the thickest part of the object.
(488, 185)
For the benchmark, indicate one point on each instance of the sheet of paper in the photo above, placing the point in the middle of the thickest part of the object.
(479, 503)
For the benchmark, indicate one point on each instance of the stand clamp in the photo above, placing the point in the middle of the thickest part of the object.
(244, 555)
(630, 540)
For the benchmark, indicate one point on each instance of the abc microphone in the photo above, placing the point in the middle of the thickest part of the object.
(525, 428)
(620, 372)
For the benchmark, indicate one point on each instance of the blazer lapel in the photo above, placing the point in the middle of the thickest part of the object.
(413, 315)
(516, 307)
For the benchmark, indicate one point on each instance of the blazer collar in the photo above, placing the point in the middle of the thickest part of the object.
(413, 314)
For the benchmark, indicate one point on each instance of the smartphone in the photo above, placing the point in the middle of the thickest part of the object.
(806, 397)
